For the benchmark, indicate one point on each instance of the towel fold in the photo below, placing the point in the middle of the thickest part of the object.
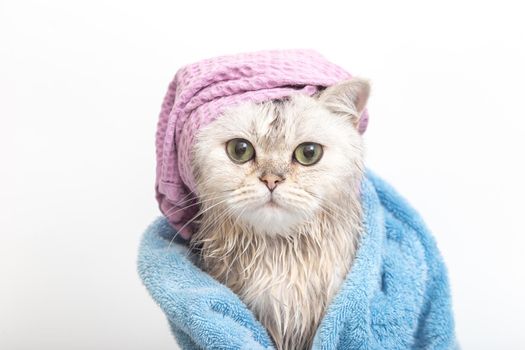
(395, 297)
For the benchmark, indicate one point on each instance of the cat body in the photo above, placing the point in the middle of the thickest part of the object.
(278, 229)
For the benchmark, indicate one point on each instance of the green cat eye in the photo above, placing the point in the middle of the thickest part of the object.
(308, 153)
(240, 150)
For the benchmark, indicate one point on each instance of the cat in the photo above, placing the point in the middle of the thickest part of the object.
(278, 184)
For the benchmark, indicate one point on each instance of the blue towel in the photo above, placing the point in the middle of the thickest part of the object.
(395, 297)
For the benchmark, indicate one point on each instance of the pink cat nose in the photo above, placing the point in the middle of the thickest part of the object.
(271, 180)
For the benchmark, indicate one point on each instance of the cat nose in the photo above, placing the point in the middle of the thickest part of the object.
(271, 180)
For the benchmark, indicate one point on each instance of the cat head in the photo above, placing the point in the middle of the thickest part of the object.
(277, 164)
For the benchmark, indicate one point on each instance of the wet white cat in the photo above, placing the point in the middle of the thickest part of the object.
(278, 184)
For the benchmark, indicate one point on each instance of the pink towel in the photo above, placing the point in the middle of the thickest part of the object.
(198, 94)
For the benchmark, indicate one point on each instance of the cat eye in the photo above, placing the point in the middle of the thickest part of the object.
(240, 150)
(308, 153)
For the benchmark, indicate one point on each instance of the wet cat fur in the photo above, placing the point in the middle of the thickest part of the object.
(285, 261)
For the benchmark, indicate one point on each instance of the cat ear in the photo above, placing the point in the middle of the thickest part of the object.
(347, 98)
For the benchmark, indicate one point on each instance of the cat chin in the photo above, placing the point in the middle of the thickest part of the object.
(273, 219)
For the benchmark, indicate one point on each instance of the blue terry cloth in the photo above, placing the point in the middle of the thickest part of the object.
(395, 297)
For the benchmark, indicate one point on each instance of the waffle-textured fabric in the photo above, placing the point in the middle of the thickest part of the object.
(396, 295)
(199, 93)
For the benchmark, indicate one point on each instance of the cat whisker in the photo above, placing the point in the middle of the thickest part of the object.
(183, 199)
(329, 205)
(195, 217)
(204, 195)
(175, 210)
(225, 214)
(237, 200)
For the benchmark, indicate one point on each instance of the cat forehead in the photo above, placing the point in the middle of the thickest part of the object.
(277, 121)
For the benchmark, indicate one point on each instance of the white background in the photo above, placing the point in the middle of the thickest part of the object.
(81, 84)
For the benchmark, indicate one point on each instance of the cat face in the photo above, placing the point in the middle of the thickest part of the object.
(278, 164)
